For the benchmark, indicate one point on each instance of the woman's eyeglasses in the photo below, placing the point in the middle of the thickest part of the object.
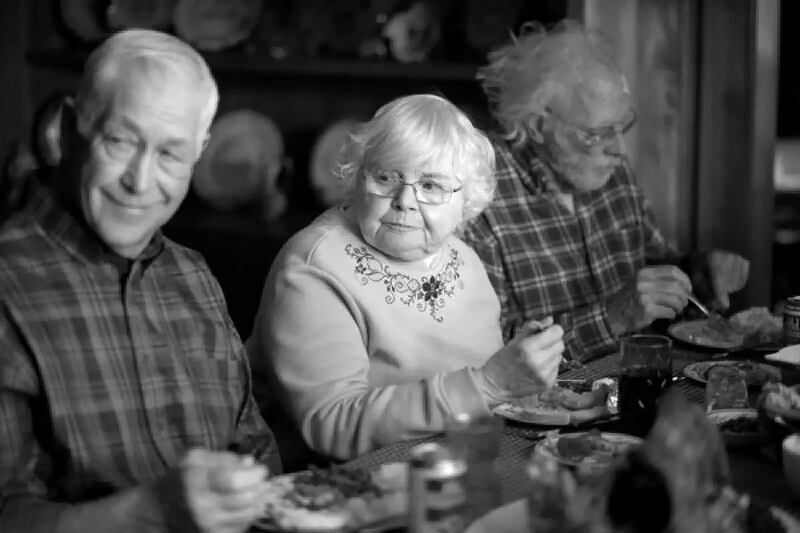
(595, 136)
(429, 189)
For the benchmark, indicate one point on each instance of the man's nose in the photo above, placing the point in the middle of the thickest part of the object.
(614, 146)
(406, 198)
(137, 176)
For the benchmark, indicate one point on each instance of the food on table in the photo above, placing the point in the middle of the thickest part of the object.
(593, 445)
(570, 401)
(740, 424)
(565, 395)
(779, 398)
(752, 326)
(335, 499)
(757, 324)
(755, 374)
(719, 330)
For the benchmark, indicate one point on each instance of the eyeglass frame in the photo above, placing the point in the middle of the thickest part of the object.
(369, 175)
(594, 136)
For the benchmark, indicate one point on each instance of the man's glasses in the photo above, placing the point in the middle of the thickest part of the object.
(429, 189)
(595, 136)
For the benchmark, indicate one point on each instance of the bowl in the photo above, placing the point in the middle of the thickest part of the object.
(740, 428)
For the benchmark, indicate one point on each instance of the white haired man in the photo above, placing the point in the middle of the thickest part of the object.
(125, 400)
(569, 233)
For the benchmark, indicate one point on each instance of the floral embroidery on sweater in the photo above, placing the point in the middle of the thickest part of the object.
(427, 294)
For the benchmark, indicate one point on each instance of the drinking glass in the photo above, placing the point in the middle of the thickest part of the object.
(645, 372)
(726, 388)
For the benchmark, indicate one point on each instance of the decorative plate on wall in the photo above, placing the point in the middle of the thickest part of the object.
(322, 164)
(154, 14)
(212, 25)
(241, 163)
(84, 19)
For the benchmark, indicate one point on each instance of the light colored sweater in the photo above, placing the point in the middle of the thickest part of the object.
(363, 350)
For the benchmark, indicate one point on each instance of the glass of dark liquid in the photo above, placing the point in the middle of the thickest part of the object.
(645, 372)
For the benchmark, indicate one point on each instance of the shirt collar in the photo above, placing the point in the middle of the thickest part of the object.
(69, 229)
(538, 175)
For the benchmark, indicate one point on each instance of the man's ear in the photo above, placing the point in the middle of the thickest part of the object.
(68, 127)
(204, 144)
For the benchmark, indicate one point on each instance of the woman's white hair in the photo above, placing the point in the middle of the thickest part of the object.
(419, 131)
(539, 68)
(152, 55)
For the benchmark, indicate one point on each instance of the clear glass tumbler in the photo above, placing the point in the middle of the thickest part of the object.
(726, 388)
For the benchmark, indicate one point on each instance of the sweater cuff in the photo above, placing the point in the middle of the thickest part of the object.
(462, 392)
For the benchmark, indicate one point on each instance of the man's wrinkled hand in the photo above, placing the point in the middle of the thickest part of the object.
(728, 272)
(224, 492)
(656, 292)
(526, 365)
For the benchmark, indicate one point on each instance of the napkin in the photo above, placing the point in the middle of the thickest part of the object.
(789, 354)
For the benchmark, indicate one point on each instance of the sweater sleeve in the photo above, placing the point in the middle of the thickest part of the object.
(310, 343)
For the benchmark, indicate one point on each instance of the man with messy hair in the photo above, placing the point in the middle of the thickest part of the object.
(570, 233)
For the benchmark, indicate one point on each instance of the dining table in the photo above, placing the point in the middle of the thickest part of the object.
(756, 472)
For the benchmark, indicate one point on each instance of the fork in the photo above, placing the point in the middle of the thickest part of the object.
(703, 309)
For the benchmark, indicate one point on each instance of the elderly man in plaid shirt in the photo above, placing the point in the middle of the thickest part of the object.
(569, 233)
(125, 400)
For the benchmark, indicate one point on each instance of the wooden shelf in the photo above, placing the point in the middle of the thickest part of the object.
(230, 64)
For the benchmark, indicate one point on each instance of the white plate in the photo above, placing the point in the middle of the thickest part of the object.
(756, 374)
(554, 417)
(242, 161)
(619, 441)
(693, 332)
(542, 416)
(212, 25)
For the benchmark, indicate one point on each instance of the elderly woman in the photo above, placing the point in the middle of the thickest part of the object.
(376, 322)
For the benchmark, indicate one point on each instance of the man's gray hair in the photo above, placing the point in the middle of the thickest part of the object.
(539, 68)
(155, 53)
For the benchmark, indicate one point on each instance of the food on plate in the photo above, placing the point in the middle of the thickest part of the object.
(567, 402)
(719, 330)
(566, 395)
(752, 326)
(573, 395)
(335, 499)
(780, 399)
(592, 445)
(757, 324)
(755, 374)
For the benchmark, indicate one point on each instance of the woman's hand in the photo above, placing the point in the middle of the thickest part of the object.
(525, 366)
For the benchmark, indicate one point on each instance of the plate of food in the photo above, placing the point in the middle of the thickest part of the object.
(740, 428)
(570, 402)
(751, 327)
(755, 374)
(590, 449)
(336, 499)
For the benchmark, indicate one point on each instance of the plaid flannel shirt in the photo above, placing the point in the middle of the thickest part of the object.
(110, 369)
(543, 259)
